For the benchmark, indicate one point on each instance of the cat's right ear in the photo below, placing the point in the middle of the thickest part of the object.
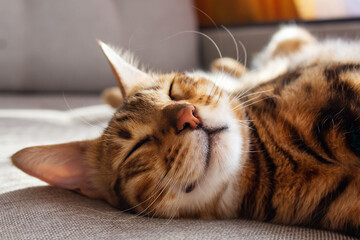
(127, 76)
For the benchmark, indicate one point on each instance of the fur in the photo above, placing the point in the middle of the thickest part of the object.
(278, 143)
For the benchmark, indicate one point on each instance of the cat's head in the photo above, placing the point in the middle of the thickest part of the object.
(172, 148)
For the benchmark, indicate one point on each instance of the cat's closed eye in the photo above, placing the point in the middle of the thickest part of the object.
(139, 144)
(181, 89)
(170, 91)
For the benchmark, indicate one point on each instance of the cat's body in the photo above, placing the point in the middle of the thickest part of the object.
(280, 143)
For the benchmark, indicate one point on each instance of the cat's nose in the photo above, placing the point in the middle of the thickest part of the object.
(185, 118)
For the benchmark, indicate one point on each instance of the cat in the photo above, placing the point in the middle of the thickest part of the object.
(279, 143)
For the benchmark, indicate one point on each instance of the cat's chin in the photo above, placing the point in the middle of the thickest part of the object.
(219, 171)
(207, 141)
(219, 141)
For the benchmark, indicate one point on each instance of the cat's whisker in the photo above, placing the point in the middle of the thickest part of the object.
(245, 120)
(219, 76)
(170, 189)
(245, 106)
(204, 35)
(155, 207)
(250, 94)
(131, 38)
(237, 54)
(218, 99)
(231, 99)
(80, 118)
(245, 53)
(242, 93)
(178, 200)
(242, 103)
(161, 191)
(239, 95)
(235, 43)
(216, 26)
(152, 193)
(246, 126)
(245, 63)
(236, 47)
(206, 15)
(196, 32)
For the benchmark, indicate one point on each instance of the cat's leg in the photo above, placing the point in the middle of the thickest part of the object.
(276, 58)
(112, 96)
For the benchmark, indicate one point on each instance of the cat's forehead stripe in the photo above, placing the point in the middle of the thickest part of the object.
(124, 133)
(123, 118)
(156, 87)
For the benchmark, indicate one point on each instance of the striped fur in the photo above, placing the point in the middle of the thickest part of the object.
(300, 147)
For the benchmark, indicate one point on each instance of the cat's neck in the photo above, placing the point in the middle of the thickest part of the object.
(250, 176)
(245, 180)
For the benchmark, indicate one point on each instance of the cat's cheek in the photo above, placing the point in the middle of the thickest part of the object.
(191, 163)
(228, 150)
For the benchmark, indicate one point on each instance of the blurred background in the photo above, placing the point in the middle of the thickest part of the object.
(242, 12)
(48, 47)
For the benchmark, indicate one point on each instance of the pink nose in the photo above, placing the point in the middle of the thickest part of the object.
(185, 117)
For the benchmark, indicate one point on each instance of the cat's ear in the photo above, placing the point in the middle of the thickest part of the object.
(62, 165)
(127, 76)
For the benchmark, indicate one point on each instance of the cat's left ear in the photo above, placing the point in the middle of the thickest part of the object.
(127, 76)
(62, 165)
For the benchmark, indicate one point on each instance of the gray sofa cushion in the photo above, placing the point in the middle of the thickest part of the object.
(30, 209)
(51, 45)
(51, 213)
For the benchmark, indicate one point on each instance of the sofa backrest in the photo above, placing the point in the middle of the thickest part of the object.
(49, 45)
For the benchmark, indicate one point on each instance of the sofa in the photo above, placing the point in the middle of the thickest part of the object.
(51, 76)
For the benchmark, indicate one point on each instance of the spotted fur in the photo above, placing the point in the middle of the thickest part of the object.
(281, 143)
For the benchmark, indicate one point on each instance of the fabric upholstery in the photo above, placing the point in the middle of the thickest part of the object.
(51, 45)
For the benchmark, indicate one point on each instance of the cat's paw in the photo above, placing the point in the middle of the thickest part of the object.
(228, 65)
(112, 96)
(290, 39)
(285, 42)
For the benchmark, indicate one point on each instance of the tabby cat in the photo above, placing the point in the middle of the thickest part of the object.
(280, 143)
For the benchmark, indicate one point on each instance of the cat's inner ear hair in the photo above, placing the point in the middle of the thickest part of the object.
(62, 165)
(127, 76)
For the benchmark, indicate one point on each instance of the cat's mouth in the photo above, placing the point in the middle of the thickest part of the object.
(210, 133)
